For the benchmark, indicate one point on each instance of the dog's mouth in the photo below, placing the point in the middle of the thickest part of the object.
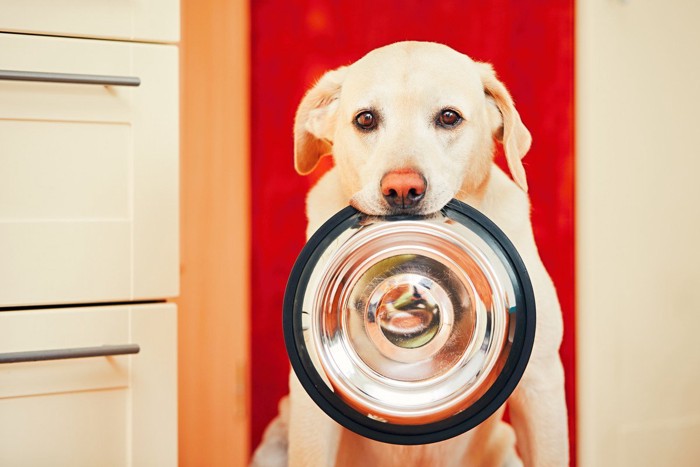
(384, 210)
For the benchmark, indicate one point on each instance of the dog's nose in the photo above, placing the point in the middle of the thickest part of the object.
(403, 188)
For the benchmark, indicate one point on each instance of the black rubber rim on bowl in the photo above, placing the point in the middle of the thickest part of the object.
(461, 422)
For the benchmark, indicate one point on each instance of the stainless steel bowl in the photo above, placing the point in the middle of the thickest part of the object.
(409, 330)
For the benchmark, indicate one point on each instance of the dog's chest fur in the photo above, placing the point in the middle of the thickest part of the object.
(491, 444)
(357, 451)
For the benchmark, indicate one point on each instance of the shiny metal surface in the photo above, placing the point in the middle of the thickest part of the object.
(408, 320)
(407, 309)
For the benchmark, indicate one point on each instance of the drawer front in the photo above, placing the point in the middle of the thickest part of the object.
(26, 331)
(88, 173)
(69, 429)
(116, 410)
(149, 20)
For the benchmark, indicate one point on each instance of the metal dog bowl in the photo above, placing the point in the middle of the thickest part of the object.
(409, 330)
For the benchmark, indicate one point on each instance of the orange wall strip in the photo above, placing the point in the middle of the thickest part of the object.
(214, 299)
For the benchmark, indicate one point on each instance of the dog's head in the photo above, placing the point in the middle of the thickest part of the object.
(410, 126)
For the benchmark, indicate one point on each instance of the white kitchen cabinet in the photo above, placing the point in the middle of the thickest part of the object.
(89, 232)
(96, 411)
(142, 20)
(88, 172)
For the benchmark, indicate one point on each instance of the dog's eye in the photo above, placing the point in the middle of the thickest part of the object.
(449, 118)
(366, 120)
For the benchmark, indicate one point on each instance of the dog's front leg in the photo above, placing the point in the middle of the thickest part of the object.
(538, 415)
(538, 404)
(313, 435)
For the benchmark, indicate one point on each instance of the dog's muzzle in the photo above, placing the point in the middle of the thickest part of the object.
(409, 330)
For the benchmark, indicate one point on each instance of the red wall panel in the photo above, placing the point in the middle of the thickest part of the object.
(530, 43)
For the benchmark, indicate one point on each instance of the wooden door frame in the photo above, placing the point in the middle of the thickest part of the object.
(214, 300)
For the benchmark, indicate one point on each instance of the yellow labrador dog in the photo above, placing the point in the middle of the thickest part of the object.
(410, 126)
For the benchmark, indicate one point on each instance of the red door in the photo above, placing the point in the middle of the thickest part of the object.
(530, 44)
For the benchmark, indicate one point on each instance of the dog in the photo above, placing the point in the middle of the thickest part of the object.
(410, 126)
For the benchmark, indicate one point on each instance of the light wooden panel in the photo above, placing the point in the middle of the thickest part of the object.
(638, 229)
(214, 299)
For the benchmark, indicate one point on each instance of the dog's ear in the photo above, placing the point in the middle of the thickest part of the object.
(315, 121)
(507, 127)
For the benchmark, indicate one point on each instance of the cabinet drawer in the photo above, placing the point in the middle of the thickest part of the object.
(147, 20)
(117, 410)
(88, 172)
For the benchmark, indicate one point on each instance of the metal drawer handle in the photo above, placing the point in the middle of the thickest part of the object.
(11, 75)
(62, 354)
